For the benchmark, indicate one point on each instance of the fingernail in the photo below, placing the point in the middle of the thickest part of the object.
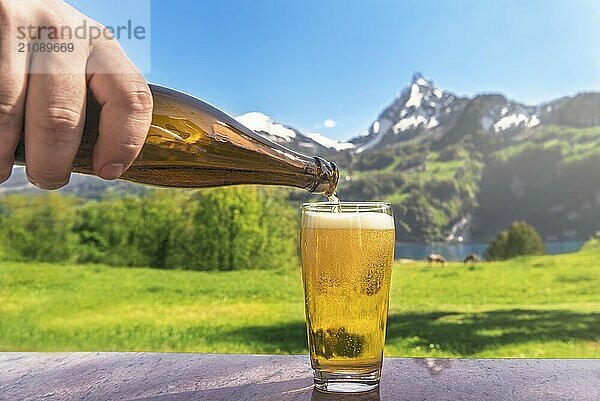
(51, 186)
(112, 171)
(47, 185)
(5, 175)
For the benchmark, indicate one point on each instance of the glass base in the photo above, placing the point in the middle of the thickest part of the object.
(347, 382)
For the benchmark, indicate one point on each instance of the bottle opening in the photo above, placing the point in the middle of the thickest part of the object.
(327, 177)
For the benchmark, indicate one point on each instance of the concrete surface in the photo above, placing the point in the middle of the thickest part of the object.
(178, 377)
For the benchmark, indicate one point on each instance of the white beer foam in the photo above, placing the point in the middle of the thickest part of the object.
(365, 220)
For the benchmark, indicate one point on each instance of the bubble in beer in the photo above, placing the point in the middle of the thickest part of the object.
(372, 280)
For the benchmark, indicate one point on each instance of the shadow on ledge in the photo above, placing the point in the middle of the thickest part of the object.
(457, 332)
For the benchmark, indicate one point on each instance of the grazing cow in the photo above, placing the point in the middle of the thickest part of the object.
(436, 258)
(471, 258)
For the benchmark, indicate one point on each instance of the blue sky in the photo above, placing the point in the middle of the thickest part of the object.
(303, 62)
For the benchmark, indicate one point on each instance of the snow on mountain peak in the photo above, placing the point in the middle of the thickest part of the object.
(515, 120)
(510, 120)
(433, 122)
(415, 96)
(533, 121)
(419, 80)
(328, 142)
(409, 122)
(421, 94)
(260, 122)
(376, 127)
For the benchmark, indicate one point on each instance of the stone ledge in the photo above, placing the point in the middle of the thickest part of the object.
(162, 376)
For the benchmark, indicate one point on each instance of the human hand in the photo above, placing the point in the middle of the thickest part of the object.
(43, 95)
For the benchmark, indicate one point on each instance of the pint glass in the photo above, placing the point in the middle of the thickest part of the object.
(347, 252)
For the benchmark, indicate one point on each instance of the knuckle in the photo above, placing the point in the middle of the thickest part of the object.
(59, 119)
(9, 109)
(126, 147)
(10, 116)
(129, 145)
(139, 101)
(46, 179)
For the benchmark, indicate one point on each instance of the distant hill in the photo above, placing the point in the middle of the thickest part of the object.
(81, 185)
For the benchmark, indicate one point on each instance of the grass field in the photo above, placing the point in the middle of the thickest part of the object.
(531, 307)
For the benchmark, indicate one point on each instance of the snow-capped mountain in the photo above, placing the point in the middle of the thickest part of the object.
(291, 137)
(422, 110)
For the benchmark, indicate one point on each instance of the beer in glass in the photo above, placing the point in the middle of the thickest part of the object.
(347, 252)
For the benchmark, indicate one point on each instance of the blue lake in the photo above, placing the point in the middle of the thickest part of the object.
(459, 251)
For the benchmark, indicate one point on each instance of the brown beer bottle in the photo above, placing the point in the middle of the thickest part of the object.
(191, 144)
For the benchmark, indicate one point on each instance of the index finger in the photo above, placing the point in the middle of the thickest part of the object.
(126, 113)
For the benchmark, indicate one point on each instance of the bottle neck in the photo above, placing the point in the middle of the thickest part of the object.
(326, 176)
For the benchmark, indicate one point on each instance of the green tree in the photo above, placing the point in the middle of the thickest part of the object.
(132, 230)
(593, 243)
(241, 228)
(280, 224)
(107, 232)
(38, 227)
(498, 248)
(521, 239)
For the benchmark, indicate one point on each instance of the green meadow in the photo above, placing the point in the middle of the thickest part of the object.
(545, 306)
